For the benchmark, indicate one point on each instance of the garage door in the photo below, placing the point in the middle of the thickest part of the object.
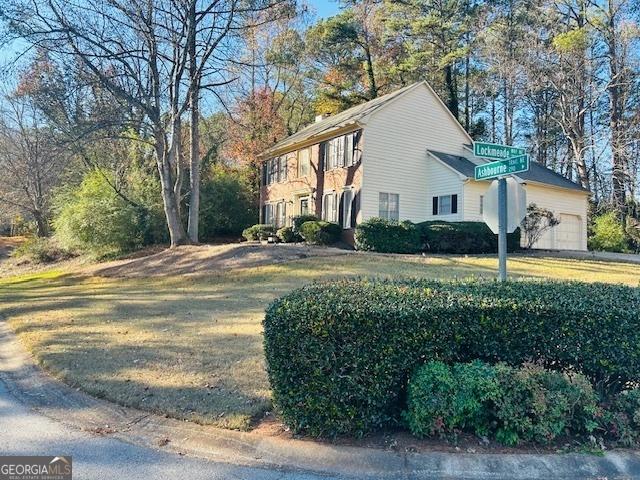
(568, 234)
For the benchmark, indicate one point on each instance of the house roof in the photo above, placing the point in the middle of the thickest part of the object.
(344, 118)
(536, 173)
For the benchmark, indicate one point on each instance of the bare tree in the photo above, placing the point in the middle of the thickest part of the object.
(30, 159)
(153, 55)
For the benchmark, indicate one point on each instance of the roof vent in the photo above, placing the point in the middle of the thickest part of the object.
(319, 118)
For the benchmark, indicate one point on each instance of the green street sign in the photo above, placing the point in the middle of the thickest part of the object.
(495, 151)
(502, 167)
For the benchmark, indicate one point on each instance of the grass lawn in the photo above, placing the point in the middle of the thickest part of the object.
(191, 347)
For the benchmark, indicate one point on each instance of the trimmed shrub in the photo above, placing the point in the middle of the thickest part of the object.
(320, 232)
(608, 234)
(510, 404)
(259, 232)
(287, 235)
(443, 398)
(463, 237)
(380, 235)
(297, 221)
(339, 354)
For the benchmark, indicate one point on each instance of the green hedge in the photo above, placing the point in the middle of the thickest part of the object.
(508, 404)
(298, 220)
(320, 232)
(463, 237)
(339, 354)
(287, 235)
(259, 232)
(380, 235)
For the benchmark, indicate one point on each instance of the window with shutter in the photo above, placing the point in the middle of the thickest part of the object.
(348, 150)
(445, 205)
(329, 207)
(347, 199)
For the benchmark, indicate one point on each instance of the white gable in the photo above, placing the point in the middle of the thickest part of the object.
(395, 158)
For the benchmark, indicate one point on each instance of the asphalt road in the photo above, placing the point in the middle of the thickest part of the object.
(26, 432)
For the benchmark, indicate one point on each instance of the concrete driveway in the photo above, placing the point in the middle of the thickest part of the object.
(26, 432)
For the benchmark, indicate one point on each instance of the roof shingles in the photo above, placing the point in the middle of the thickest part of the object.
(536, 173)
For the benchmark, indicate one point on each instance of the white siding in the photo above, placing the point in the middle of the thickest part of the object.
(566, 204)
(395, 159)
(443, 181)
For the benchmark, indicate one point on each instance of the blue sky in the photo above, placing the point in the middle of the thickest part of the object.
(325, 8)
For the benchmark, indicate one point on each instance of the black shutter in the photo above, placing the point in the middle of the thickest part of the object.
(454, 203)
(357, 152)
(355, 208)
(322, 163)
(435, 206)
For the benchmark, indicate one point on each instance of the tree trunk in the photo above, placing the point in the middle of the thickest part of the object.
(373, 88)
(42, 226)
(194, 133)
(171, 211)
(450, 83)
(194, 170)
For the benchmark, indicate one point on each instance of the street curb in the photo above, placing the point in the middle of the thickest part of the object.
(30, 385)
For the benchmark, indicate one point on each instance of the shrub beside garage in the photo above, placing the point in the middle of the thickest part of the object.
(463, 238)
(340, 354)
(385, 236)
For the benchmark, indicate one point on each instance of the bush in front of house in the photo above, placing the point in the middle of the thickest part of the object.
(299, 220)
(387, 236)
(287, 235)
(509, 404)
(608, 234)
(463, 237)
(319, 232)
(259, 232)
(339, 354)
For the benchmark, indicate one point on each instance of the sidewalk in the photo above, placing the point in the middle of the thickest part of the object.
(78, 411)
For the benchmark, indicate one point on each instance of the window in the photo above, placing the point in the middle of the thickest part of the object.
(282, 168)
(304, 206)
(304, 162)
(281, 214)
(481, 204)
(347, 200)
(341, 151)
(445, 205)
(329, 207)
(389, 206)
(267, 215)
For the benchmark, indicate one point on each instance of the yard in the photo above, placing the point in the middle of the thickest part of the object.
(191, 346)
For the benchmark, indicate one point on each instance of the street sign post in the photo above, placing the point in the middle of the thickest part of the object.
(502, 167)
(509, 160)
(495, 151)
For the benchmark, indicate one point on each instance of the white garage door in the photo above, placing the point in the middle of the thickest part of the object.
(568, 234)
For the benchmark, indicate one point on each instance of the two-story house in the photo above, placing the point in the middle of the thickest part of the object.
(402, 156)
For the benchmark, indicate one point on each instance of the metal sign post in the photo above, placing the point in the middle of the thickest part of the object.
(502, 225)
(508, 161)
